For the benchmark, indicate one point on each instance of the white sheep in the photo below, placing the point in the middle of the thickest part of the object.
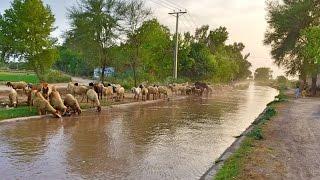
(120, 93)
(93, 97)
(13, 98)
(136, 92)
(80, 90)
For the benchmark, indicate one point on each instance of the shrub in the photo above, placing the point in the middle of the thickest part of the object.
(256, 134)
(55, 76)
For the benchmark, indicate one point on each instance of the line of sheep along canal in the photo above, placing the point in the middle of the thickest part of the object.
(167, 140)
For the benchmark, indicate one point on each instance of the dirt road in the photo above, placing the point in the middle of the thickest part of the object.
(291, 149)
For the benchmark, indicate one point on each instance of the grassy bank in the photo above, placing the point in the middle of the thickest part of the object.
(234, 166)
(18, 76)
(23, 111)
(29, 77)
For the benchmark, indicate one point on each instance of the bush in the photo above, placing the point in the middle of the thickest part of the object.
(55, 76)
(256, 134)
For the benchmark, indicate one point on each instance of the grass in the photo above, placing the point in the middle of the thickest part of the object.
(233, 167)
(18, 76)
(22, 111)
(29, 77)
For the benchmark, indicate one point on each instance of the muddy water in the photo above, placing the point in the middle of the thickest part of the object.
(167, 140)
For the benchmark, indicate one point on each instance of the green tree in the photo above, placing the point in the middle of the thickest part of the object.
(311, 52)
(155, 50)
(26, 28)
(96, 27)
(286, 21)
(136, 14)
(263, 74)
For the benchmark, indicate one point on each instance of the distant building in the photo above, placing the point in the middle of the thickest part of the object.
(108, 72)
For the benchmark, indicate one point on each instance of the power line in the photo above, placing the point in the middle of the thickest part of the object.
(175, 5)
(161, 4)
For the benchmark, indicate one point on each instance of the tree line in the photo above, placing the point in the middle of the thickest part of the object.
(119, 34)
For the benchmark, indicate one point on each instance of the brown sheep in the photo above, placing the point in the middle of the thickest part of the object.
(56, 101)
(13, 98)
(108, 92)
(98, 88)
(46, 90)
(152, 90)
(18, 85)
(72, 103)
(173, 88)
(93, 97)
(144, 92)
(43, 106)
(163, 91)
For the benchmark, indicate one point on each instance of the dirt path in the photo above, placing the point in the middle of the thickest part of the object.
(291, 149)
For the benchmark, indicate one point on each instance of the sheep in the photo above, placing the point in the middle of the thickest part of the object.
(17, 85)
(182, 88)
(80, 90)
(153, 90)
(13, 98)
(71, 103)
(108, 92)
(70, 88)
(144, 92)
(98, 88)
(163, 90)
(136, 92)
(173, 89)
(56, 101)
(93, 97)
(46, 90)
(43, 105)
(120, 93)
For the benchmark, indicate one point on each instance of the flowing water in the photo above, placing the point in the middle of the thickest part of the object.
(165, 140)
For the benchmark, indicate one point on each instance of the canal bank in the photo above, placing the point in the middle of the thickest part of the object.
(289, 147)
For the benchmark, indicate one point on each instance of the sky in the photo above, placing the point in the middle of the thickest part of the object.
(245, 21)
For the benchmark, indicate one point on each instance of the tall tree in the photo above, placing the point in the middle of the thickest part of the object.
(26, 28)
(136, 14)
(95, 27)
(286, 21)
(311, 52)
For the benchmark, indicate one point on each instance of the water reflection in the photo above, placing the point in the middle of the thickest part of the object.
(168, 140)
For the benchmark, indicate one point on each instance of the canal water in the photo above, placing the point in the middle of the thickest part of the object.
(166, 140)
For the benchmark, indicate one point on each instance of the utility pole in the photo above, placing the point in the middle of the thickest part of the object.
(175, 68)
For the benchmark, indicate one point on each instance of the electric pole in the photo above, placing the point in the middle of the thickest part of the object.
(175, 68)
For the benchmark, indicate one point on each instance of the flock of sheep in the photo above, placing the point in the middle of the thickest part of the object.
(47, 99)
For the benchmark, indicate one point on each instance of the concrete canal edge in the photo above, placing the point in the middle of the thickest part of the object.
(125, 105)
(217, 165)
